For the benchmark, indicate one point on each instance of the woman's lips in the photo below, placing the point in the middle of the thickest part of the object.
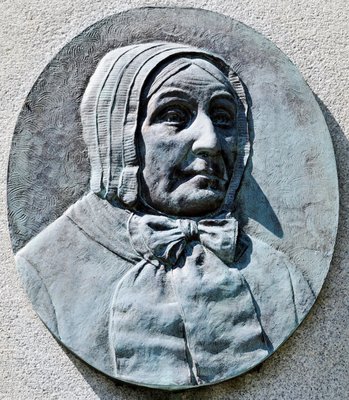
(204, 179)
(206, 173)
(203, 176)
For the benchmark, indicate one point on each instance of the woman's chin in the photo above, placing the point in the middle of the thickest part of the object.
(195, 203)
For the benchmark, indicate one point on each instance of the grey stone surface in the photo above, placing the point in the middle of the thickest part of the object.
(314, 362)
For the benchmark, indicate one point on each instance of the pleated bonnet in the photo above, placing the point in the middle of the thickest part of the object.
(110, 114)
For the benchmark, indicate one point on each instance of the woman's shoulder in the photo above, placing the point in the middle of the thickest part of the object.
(282, 292)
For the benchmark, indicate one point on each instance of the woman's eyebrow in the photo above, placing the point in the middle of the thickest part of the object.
(170, 93)
(224, 96)
(167, 97)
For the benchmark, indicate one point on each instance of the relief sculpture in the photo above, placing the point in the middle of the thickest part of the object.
(150, 276)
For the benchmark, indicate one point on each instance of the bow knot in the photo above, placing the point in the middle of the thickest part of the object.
(164, 239)
(190, 229)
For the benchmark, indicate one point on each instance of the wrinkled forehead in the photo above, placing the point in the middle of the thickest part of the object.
(193, 73)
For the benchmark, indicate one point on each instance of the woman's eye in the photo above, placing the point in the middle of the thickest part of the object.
(222, 118)
(174, 115)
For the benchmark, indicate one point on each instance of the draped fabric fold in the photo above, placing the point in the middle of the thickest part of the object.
(155, 324)
(184, 303)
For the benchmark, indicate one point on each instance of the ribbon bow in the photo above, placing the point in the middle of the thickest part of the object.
(160, 238)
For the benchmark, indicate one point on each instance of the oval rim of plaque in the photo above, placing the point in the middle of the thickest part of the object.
(12, 170)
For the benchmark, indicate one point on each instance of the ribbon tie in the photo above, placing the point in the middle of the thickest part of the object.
(160, 238)
(184, 314)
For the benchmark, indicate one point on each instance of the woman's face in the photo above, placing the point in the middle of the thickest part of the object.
(188, 141)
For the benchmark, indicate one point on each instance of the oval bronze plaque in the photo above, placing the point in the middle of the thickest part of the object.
(172, 196)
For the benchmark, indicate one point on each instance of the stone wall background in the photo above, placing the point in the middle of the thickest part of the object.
(314, 362)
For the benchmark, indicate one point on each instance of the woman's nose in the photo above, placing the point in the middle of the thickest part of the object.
(206, 140)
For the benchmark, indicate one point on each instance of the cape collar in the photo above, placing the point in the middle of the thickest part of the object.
(107, 224)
